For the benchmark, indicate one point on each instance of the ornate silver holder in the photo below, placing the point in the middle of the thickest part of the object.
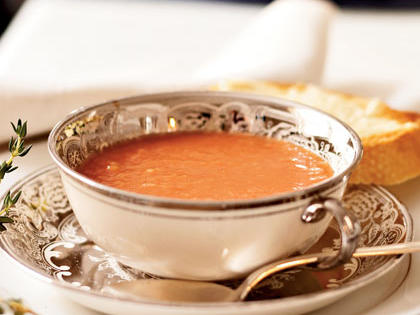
(47, 240)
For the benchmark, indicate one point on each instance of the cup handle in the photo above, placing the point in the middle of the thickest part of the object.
(348, 224)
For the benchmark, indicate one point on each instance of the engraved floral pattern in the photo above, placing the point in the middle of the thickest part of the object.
(36, 216)
(113, 123)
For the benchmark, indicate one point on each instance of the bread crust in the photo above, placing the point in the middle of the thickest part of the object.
(389, 158)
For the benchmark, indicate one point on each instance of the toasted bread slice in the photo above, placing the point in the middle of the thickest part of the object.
(391, 139)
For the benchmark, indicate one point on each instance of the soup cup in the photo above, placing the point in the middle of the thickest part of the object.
(206, 240)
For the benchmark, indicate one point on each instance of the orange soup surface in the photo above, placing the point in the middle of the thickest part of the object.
(206, 166)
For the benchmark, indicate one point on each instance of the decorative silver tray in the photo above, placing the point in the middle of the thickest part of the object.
(47, 239)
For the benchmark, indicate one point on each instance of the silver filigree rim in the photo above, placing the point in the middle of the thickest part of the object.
(180, 204)
(350, 286)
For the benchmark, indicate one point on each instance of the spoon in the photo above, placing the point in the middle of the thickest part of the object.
(169, 290)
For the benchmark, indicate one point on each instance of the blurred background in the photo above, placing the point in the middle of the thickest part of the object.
(9, 7)
(60, 54)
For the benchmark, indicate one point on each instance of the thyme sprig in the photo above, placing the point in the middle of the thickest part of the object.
(16, 148)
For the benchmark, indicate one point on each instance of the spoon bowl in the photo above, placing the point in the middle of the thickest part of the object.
(174, 290)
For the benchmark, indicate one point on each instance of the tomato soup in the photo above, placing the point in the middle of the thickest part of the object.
(206, 166)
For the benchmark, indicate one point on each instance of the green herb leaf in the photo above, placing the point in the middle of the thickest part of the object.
(25, 151)
(16, 197)
(6, 220)
(14, 127)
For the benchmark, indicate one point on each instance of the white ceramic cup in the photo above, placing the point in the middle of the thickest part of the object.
(206, 240)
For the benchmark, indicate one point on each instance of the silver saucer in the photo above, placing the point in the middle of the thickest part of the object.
(47, 239)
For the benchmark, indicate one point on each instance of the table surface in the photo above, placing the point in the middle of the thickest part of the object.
(370, 54)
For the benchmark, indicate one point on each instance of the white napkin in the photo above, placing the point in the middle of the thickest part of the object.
(286, 42)
(59, 55)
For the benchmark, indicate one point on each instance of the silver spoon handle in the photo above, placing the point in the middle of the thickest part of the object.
(260, 274)
(384, 250)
